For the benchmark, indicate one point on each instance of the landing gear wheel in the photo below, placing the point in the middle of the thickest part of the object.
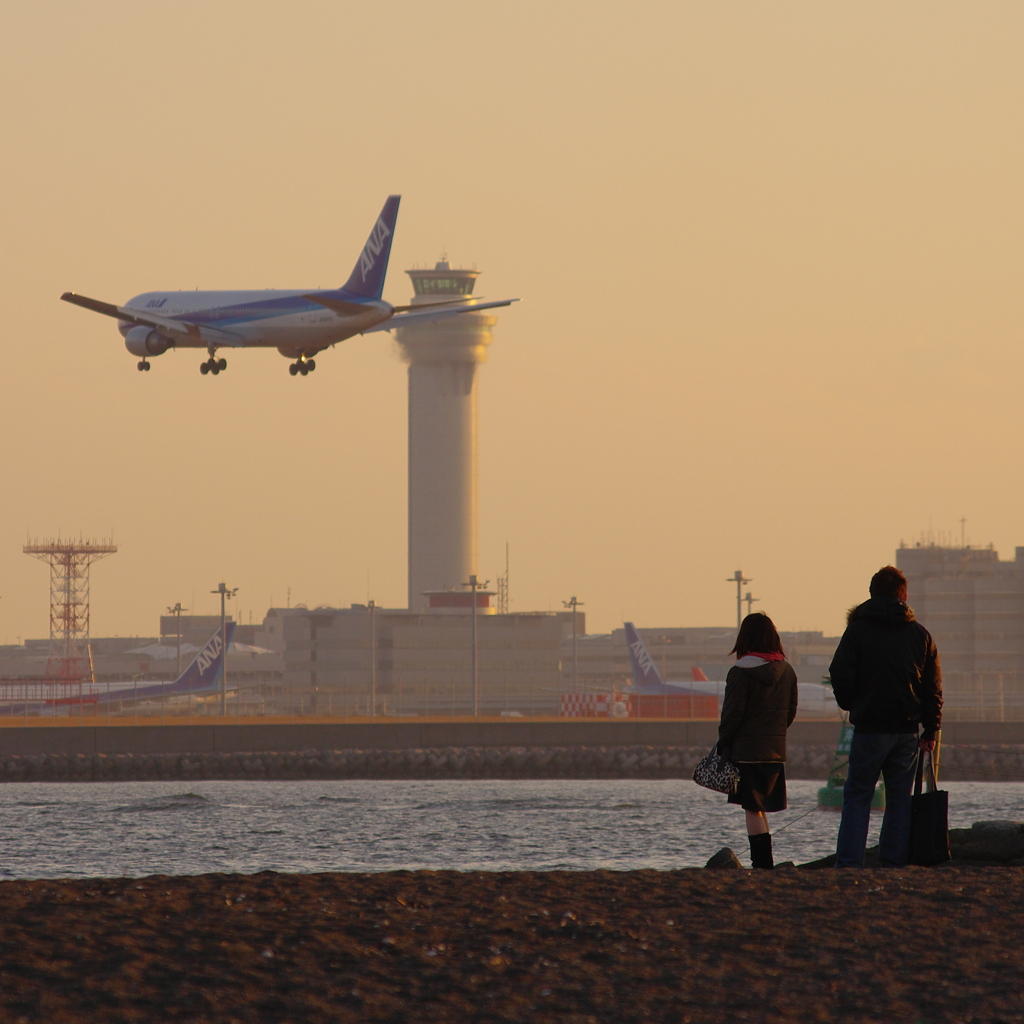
(303, 368)
(204, 368)
(311, 363)
(222, 363)
(143, 365)
(293, 369)
(214, 367)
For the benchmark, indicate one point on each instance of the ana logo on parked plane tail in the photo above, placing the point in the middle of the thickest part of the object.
(643, 659)
(209, 654)
(373, 246)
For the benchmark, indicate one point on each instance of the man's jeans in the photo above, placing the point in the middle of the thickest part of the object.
(894, 756)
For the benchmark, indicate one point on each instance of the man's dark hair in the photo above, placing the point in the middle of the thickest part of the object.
(888, 582)
(758, 634)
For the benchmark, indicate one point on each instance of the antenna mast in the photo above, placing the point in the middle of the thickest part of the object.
(69, 563)
(502, 587)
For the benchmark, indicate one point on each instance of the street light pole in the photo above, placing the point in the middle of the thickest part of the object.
(739, 579)
(177, 610)
(474, 584)
(225, 593)
(373, 658)
(750, 599)
(573, 604)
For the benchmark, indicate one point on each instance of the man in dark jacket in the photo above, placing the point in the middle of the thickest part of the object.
(886, 674)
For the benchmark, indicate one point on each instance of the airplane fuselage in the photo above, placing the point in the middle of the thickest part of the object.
(814, 700)
(288, 320)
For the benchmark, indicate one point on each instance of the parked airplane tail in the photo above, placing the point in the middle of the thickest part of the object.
(206, 667)
(645, 673)
(697, 674)
(367, 277)
(200, 676)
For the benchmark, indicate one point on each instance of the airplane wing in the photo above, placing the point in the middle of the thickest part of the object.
(357, 308)
(165, 325)
(424, 305)
(429, 315)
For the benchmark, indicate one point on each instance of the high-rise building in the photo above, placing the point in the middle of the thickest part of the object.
(443, 357)
(973, 605)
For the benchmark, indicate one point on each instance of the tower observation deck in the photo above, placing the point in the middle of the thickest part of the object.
(443, 358)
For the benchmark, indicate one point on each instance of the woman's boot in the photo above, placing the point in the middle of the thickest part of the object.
(761, 851)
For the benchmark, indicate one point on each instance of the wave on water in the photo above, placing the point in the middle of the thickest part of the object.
(527, 803)
(340, 799)
(38, 803)
(172, 802)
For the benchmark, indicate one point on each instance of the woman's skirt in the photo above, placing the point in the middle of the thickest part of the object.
(762, 786)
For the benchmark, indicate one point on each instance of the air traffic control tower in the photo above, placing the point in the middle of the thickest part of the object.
(443, 358)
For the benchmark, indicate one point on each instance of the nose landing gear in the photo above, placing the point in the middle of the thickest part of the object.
(302, 366)
(143, 364)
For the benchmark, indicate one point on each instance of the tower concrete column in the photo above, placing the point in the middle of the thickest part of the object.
(443, 357)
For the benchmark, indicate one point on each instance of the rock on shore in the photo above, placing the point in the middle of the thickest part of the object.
(641, 762)
(686, 947)
(1000, 842)
(612, 762)
(985, 842)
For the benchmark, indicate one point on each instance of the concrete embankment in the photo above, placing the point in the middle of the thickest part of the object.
(806, 761)
(90, 735)
(438, 763)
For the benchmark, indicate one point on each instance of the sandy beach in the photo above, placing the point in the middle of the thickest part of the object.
(694, 946)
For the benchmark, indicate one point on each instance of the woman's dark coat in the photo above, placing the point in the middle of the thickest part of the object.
(759, 706)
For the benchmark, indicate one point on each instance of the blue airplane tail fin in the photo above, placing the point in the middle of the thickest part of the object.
(201, 675)
(367, 277)
(205, 669)
(645, 672)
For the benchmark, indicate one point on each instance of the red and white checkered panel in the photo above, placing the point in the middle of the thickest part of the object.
(584, 705)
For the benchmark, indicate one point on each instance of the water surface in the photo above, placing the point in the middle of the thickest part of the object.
(68, 830)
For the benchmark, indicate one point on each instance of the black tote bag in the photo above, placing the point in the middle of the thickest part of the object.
(929, 820)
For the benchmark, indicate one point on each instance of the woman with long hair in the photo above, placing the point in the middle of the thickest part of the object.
(759, 706)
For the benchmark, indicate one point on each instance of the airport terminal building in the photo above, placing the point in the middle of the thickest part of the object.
(404, 663)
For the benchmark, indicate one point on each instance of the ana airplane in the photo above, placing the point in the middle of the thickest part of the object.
(814, 700)
(201, 678)
(299, 322)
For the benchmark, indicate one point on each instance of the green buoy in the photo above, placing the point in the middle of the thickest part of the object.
(830, 796)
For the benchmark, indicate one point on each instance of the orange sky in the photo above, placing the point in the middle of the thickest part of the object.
(769, 259)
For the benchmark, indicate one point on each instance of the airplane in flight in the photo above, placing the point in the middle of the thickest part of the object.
(814, 700)
(299, 322)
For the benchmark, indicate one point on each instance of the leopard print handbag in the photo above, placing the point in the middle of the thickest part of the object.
(717, 773)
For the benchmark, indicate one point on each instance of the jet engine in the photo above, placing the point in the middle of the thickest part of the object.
(144, 341)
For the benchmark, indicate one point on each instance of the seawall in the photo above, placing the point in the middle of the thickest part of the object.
(806, 761)
(250, 737)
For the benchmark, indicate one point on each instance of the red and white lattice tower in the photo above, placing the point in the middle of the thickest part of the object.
(69, 563)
